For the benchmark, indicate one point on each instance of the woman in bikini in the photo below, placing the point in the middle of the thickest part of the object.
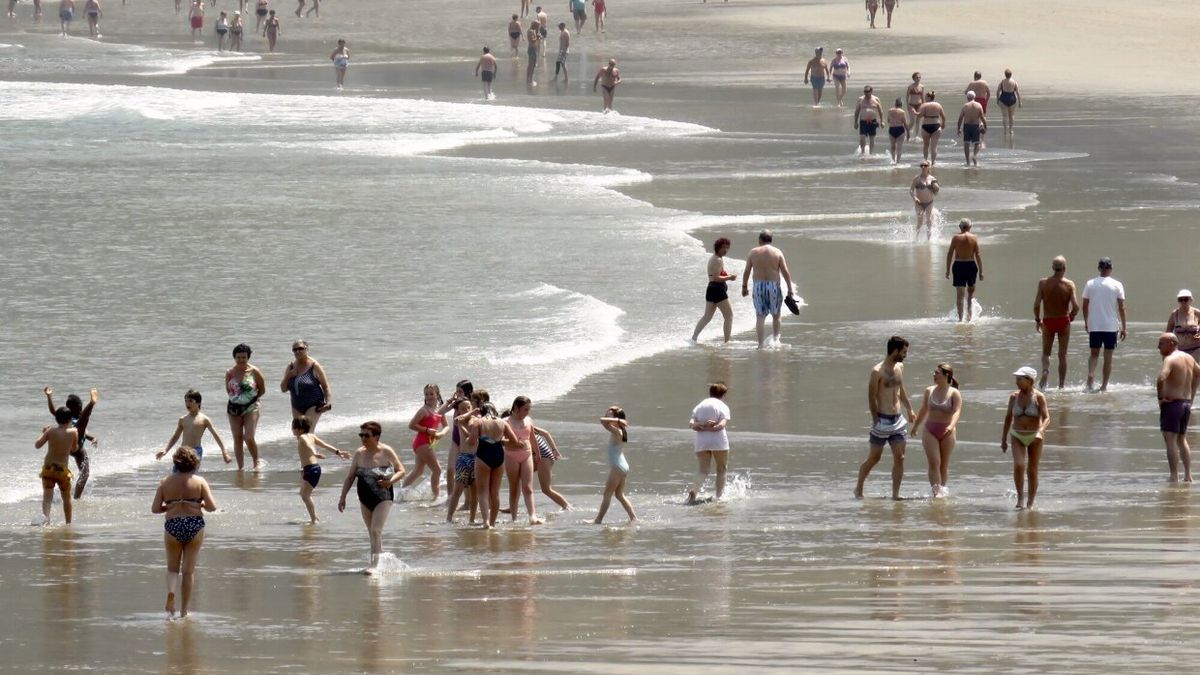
(914, 97)
(521, 463)
(430, 426)
(1010, 100)
(1184, 324)
(305, 381)
(181, 496)
(839, 70)
(375, 469)
(716, 294)
(461, 467)
(1025, 423)
(939, 411)
(933, 121)
(245, 385)
(923, 190)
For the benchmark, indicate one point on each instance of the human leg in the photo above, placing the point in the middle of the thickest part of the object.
(545, 472)
(722, 459)
(1064, 339)
(709, 310)
(526, 475)
(897, 466)
(1108, 359)
(83, 462)
(1047, 345)
(512, 471)
(610, 487)
(174, 554)
(1020, 460)
(933, 457)
(874, 454)
(1035, 458)
(306, 491)
(946, 448)
(620, 495)
(188, 557)
(704, 461)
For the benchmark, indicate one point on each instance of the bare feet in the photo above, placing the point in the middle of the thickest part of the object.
(536, 521)
(170, 607)
(858, 492)
(597, 521)
(691, 500)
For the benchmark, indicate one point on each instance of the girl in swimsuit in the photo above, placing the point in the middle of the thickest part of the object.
(305, 380)
(1184, 323)
(520, 463)
(245, 384)
(548, 450)
(181, 496)
(615, 424)
(939, 411)
(461, 467)
(375, 468)
(461, 397)
(430, 426)
(601, 13)
(489, 435)
(923, 189)
(716, 295)
(1010, 100)
(1025, 423)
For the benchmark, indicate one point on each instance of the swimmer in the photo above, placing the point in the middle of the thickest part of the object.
(182, 496)
(1010, 100)
(617, 426)
(923, 189)
(514, 34)
(972, 124)
(271, 30)
(897, 120)
(190, 430)
(868, 113)
(716, 294)
(965, 262)
(485, 70)
(608, 78)
(533, 40)
(548, 450)
(914, 98)
(816, 72)
(81, 416)
(1176, 389)
(564, 47)
(430, 427)
(709, 419)
(1056, 299)
(310, 471)
(933, 121)
(1025, 423)
(245, 385)
(221, 28)
(341, 59)
(940, 409)
(304, 379)
(886, 395)
(375, 469)
(92, 9)
(61, 441)
(889, 6)
(521, 462)
(981, 89)
(1184, 324)
(1103, 305)
(66, 13)
(839, 70)
(196, 18)
(765, 264)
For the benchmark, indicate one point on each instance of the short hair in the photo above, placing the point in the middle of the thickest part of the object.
(765, 237)
(722, 242)
(185, 460)
(74, 404)
(978, 74)
(717, 390)
(193, 395)
(964, 224)
(561, 24)
(898, 103)
(1058, 263)
(372, 428)
(514, 17)
(302, 424)
(63, 415)
(896, 343)
(486, 50)
(242, 348)
(1008, 72)
(868, 89)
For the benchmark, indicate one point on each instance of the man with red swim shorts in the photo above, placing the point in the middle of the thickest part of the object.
(1056, 300)
(982, 90)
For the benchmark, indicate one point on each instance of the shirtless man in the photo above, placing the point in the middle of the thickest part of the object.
(81, 416)
(190, 430)
(980, 88)
(868, 113)
(972, 124)
(764, 265)
(886, 395)
(514, 34)
(914, 98)
(933, 121)
(543, 20)
(62, 440)
(897, 120)
(1056, 298)
(533, 38)
(564, 47)
(1177, 383)
(66, 13)
(816, 72)
(966, 262)
(608, 78)
(485, 69)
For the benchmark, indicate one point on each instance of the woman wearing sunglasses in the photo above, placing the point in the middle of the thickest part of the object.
(1184, 324)
(305, 380)
(375, 468)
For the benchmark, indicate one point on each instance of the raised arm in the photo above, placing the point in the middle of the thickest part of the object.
(49, 398)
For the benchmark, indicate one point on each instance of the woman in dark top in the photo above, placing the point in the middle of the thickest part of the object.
(305, 380)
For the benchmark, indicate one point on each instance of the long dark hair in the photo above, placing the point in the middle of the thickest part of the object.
(948, 371)
(620, 414)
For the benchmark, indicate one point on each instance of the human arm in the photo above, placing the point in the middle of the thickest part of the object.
(1074, 306)
(340, 453)
(956, 401)
(924, 411)
(157, 505)
(350, 476)
(959, 124)
(1121, 311)
(209, 504)
(873, 395)
(319, 371)
(1043, 412)
(1164, 373)
(478, 65)
(857, 112)
(171, 443)
(1195, 379)
(1017, 91)
(43, 438)
(787, 275)
(1037, 308)
(260, 382)
(904, 400)
(1087, 302)
(220, 443)
(746, 275)
(549, 441)
(397, 468)
(49, 398)
(288, 375)
(949, 254)
(1171, 323)
(978, 260)
(1008, 417)
(596, 81)
(807, 68)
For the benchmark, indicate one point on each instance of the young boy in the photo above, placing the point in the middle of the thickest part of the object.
(62, 440)
(191, 428)
(80, 416)
(310, 471)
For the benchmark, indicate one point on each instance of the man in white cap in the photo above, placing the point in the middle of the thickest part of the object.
(1103, 320)
(1176, 388)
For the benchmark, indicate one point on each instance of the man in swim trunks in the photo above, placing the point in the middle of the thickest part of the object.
(607, 78)
(533, 38)
(764, 265)
(868, 113)
(816, 72)
(1103, 304)
(62, 441)
(972, 124)
(980, 88)
(579, 13)
(196, 18)
(514, 34)
(485, 69)
(1176, 387)
(81, 416)
(964, 260)
(543, 30)
(66, 13)
(886, 395)
(564, 46)
(1056, 299)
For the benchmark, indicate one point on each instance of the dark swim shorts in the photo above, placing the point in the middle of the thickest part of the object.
(964, 273)
(716, 292)
(971, 133)
(1173, 416)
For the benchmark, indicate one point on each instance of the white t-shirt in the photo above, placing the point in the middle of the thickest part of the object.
(1102, 294)
(711, 410)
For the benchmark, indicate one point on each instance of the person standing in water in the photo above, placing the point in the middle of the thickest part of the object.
(1056, 300)
(221, 28)
(66, 13)
(868, 113)
(375, 469)
(260, 11)
(872, 8)
(310, 471)
(92, 9)
(579, 13)
(305, 382)
(933, 121)
(1103, 305)
(520, 463)
(601, 11)
(886, 395)
(245, 385)
(889, 6)
(608, 78)
(543, 20)
(617, 426)
(709, 419)
(1025, 423)
(765, 264)
(564, 47)
(716, 294)
(190, 430)
(972, 124)
(196, 18)
(182, 496)
(897, 120)
(1010, 100)
(461, 466)
(965, 262)
(839, 70)
(430, 426)
(490, 436)
(1184, 324)
(271, 30)
(81, 416)
(940, 409)
(914, 99)
(60, 442)
(981, 89)
(548, 450)
(315, 9)
(816, 72)
(341, 60)
(923, 189)
(485, 70)
(514, 34)
(1176, 387)
(533, 38)
(235, 32)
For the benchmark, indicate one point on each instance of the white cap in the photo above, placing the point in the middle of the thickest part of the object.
(1026, 371)
(1185, 293)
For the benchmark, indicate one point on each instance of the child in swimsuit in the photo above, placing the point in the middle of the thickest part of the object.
(61, 440)
(615, 423)
(430, 426)
(310, 472)
(181, 496)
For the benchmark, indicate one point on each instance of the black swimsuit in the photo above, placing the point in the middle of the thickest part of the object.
(490, 452)
(370, 494)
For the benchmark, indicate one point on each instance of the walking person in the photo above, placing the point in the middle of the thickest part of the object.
(709, 419)
(1025, 424)
(81, 417)
(189, 431)
(245, 385)
(341, 60)
(1176, 386)
(183, 497)
(310, 470)
(923, 189)
(886, 396)
(548, 450)
(374, 470)
(520, 463)
(305, 382)
(1056, 300)
(765, 264)
(59, 442)
(607, 78)
(940, 409)
(716, 294)
(617, 426)
(965, 262)
(1010, 100)
(485, 70)
(933, 121)
(430, 426)
(1103, 320)
(816, 71)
